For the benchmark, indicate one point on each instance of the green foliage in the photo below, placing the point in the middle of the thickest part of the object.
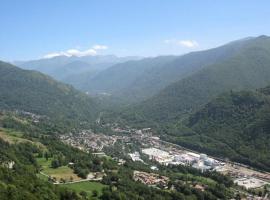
(39, 94)
(91, 188)
(139, 80)
(246, 68)
(234, 125)
(122, 186)
(21, 182)
(117, 184)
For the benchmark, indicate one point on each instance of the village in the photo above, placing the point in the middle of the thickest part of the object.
(164, 153)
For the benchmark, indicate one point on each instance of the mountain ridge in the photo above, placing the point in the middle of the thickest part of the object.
(35, 92)
(248, 69)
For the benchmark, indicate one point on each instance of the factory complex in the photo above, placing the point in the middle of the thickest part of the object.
(198, 161)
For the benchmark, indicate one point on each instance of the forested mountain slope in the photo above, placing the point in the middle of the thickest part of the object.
(248, 68)
(121, 76)
(135, 81)
(61, 67)
(34, 92)
(235, 125)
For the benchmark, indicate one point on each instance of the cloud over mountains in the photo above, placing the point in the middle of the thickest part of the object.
(76, 52)
(183, 43)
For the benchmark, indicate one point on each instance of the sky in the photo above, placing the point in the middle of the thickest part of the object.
(33, 29)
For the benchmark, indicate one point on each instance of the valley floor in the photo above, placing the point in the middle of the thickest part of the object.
(136, 144)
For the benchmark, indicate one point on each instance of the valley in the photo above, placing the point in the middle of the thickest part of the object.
(134, 100)
(137, 143)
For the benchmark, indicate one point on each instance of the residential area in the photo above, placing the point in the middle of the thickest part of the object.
(151, 146)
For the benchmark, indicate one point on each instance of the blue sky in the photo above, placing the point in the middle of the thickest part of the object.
(31, 29)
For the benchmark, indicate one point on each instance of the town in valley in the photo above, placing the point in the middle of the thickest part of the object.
(142, 145)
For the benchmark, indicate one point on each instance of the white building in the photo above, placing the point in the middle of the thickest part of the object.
(250, 183)
(158, 155)
(135, 156)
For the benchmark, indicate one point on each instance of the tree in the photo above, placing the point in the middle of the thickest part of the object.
(94, 193)
(55, 163)
(46, 155)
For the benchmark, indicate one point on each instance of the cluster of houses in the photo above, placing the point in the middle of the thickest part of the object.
(151, 179)
(87, 140)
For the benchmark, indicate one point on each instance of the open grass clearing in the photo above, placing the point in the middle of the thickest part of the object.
(63, 172)
(200, 179)
(13, 137)
(86, 186)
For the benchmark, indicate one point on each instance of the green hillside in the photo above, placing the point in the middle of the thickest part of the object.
(121, 76)
(37, 93)
(67, 68)
(135, 81)
(248, 68)
(235, 125)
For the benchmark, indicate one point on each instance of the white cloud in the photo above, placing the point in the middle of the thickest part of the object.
(75, 52)
(189, 43)
(51, 55)
(100, 47)
(184, 43)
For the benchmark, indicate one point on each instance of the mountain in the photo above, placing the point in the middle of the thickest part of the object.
(121, 76)
(61, 67)
(130, 79)
(136, 81)
(235, 125)
(79, 80)
(246, 68)
(34, 92)
(71, 68)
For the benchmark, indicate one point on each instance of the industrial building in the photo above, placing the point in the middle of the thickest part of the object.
(158, 155)
(250, 182)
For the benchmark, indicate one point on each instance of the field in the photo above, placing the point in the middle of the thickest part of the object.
(63, 172)
(87, 186)
(200, 179)
(13, 137)
(43, 177)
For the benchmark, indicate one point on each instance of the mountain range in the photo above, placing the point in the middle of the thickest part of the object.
(246, 68)
(136, 81)
(131, 79)
(198, 100)
(65, 67)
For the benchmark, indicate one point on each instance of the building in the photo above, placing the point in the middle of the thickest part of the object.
(158, 155)
(151, 179)
(135, 156)
(250, 182)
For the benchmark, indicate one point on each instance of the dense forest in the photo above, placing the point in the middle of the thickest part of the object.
(31, 91)
(235, 125)
(247, 69)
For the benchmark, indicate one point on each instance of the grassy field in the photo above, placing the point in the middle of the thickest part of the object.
(12, 137)
(63, 172)
(87, 186)
(200, 179)
(43, 177)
